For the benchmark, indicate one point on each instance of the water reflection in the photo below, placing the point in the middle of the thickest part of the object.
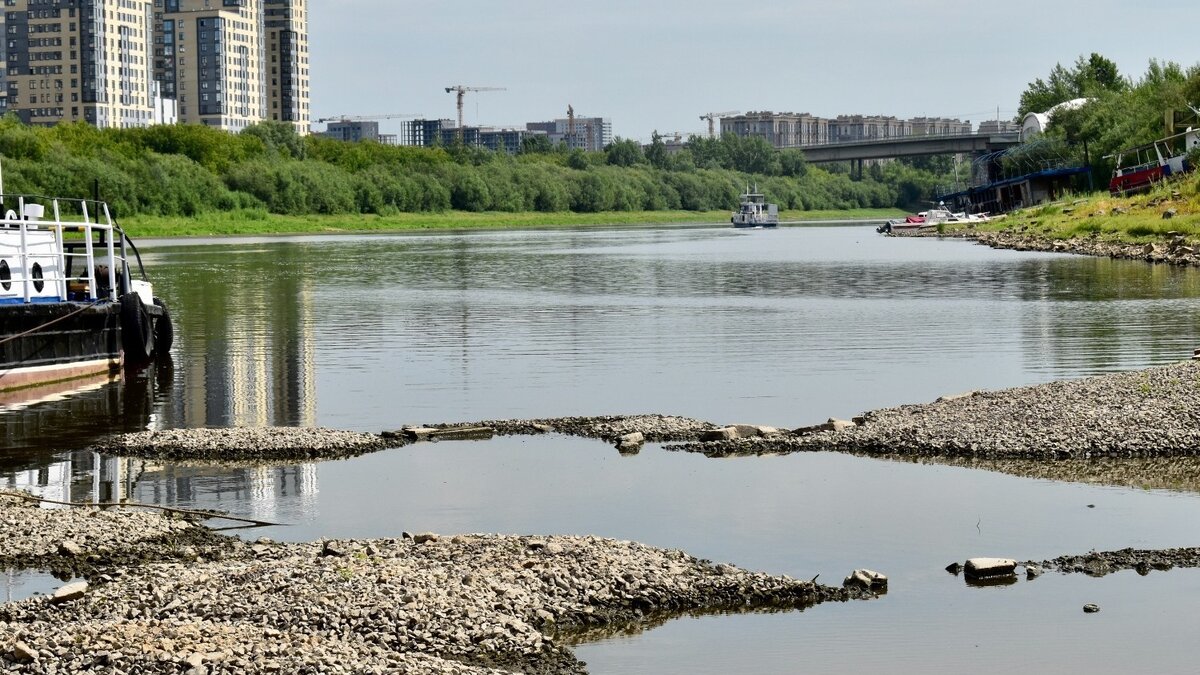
(1180, 474)
(264, 493)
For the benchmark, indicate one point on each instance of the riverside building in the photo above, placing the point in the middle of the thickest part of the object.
(128, 63)
(212, 61)
(287, 62)
(71, 60)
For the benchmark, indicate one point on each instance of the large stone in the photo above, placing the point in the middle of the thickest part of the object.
(23, 653)
(722, 434)
(70, 548)
(980, 568)
(868, 579)
(631, 442)
(746, 430)
(69, 592)
(418, 433)
(424, 537)
(840, 425)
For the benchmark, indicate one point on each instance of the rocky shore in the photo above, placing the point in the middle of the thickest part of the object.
(165, 595)
(1175, 249)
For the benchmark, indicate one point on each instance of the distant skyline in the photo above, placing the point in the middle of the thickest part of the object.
(661, 65)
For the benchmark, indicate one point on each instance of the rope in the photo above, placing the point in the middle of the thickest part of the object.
(64, 317)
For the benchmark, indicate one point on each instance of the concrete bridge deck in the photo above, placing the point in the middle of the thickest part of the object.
(909, 146)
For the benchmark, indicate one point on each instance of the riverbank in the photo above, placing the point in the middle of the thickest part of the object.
(257, 222)
(1161, 226)
(165, 595)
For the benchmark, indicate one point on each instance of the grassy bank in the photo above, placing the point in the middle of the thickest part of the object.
(254, 222)
(1136, 219)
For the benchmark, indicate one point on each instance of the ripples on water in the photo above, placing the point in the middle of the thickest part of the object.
(785, 328)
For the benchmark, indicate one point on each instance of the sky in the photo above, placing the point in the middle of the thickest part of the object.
(658, 65)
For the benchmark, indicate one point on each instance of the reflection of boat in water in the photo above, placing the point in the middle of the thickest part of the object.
(69, 305)
(755, 211)
(38, 422)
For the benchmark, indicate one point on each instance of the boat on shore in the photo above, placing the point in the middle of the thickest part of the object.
(1137, 169)
(70, 305)
(754, 211)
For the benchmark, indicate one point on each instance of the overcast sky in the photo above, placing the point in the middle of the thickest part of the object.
(660, 64)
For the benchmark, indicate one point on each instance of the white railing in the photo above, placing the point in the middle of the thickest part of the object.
(42, 252)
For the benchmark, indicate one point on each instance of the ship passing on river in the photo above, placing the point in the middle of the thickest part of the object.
(70, 305)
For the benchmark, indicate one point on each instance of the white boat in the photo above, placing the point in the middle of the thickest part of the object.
(755, 211)
(70, 307)
(930, 219)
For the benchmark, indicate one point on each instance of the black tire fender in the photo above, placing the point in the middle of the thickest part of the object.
(164, 331)
(137, 330)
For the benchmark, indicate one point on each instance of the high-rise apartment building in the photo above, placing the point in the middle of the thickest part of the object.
(226, 63)
(287, 62)
(69, 60)
(211, 60)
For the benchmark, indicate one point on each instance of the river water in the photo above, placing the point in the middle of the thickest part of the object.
(784, 328)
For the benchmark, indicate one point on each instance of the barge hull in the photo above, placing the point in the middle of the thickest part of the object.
(57, 342)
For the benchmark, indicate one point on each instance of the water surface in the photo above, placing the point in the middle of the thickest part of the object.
(783, 327)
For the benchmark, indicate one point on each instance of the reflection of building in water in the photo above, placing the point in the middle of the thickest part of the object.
(255, 332)
(262, 493)
(80, 477)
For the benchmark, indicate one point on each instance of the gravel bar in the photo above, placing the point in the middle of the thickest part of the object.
(168, 596)
(243, 444)
(1151, 413)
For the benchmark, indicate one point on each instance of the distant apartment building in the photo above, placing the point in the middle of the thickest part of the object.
(129, 63)
(781, 130)
(999, 127)
(939, 126)
(212, 61)
(287, 62)
(71, 60)
(798, 130)
(352, 130)
(585, 133)
(850, 128)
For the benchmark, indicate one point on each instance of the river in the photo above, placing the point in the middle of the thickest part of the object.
(784, 328)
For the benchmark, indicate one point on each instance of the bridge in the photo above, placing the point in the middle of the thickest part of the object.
(909, 146)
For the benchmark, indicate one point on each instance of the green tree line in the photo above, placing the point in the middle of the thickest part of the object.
(1119, 112)
(191, 169)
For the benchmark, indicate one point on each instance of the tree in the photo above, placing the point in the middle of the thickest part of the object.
(624, 152)
(656, 154)
(1089, 77)
(539, 143)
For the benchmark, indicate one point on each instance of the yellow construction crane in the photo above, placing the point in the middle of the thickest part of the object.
(714, 115)
(364, 118)
(463, 90)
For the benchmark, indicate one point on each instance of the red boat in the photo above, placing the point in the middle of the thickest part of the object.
(1140, 167)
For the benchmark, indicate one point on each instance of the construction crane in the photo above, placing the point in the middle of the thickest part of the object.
(714, 115)
(365, 118)
(463, 90)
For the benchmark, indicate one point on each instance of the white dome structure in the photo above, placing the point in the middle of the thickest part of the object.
(1036, 123)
